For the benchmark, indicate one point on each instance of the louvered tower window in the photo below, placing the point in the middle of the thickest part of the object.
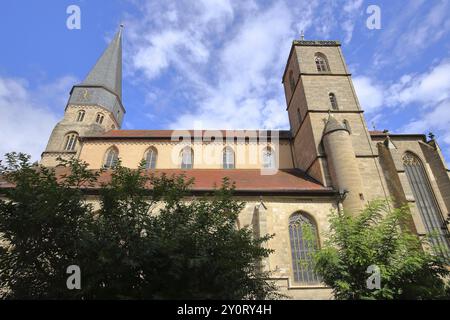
(71, 142)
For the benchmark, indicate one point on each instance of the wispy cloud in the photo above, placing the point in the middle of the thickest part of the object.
(227, 57)
(424, 98)
(417, 26)
(28, 116)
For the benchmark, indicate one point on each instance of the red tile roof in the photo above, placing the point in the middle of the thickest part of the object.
(246, 180)
(378, 133)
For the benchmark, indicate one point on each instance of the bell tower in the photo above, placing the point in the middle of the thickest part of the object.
(331, 141)
(94, 106)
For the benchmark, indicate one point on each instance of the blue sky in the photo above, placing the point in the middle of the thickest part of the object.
(218, 64)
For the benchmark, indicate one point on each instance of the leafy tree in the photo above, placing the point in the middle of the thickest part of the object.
(142, 243)
(376, 237)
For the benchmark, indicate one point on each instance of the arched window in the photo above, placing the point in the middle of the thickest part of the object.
(187, 158)
(321, 62)
(304, 242)
(150, 158)
(112, 155)
(71, 141)
(99, 118)
(426, 202)
(268, 157)
(292, 81)
(228, 158)
(81, 114)
(347, 126)
(333, 101)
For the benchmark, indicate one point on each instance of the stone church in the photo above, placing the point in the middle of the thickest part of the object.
(327, 160)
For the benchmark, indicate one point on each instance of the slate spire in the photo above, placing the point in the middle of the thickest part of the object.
(107, 72)
(102, 87)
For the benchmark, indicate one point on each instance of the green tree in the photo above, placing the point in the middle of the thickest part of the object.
(142, 243)
(376, 237)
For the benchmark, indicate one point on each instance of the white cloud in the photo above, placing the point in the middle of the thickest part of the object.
(370, 94)
(352, 9)
(230, 69)
(429, 88)
(428, 94)
(28, 116)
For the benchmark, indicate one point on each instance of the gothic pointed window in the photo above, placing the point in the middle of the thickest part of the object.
(426, 202)
(333, 101)
(268, 158)
(111, 158)
(150, 158)
(187, 158)
(228, 158)
(321, 62)
(81, 114)
(304, 243)
(71, 141)
(99, 118)
(291, 81)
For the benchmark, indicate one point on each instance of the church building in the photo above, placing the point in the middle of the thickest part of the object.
(327, 160)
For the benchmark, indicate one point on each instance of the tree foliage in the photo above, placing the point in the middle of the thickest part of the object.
(140, 243)
(376, 237)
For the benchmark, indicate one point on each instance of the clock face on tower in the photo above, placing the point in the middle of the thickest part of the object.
(85, 94)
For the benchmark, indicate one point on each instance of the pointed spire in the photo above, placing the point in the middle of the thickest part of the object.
(107, 72)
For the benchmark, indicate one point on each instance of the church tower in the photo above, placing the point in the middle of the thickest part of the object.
(94, 106)
(330, 139)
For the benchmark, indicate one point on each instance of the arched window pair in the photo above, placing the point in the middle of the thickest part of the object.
(321, 62)
(304, 243)
(112, 156)
(81, 114)
(71, 141)
(99, 119)
(426, 202)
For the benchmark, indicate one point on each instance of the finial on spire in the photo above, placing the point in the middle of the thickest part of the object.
(302, 35)
(121, 25)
